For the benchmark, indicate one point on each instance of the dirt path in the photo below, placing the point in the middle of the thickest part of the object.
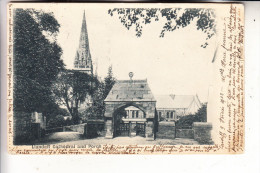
(76, 138)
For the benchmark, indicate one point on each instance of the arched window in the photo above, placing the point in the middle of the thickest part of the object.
(137, 112)
(133, 114)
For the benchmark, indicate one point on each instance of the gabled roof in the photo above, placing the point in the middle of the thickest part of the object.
(177, 101)
(164, 101)
(182, 101)
(130, 90)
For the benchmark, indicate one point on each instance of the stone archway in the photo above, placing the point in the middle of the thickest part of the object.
(129, 120)
(127, 93)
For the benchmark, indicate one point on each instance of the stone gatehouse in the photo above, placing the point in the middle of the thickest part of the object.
(130, 110)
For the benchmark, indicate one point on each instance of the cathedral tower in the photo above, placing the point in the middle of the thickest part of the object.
(83, 61)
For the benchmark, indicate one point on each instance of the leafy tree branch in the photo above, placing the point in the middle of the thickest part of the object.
(176, 18)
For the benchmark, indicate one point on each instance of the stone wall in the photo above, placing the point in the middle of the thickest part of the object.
(202, 132)
(94, 129)
(166, 130)
(76, 128)
(185, 133)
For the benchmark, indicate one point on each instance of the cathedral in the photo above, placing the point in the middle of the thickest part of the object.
(83, 61)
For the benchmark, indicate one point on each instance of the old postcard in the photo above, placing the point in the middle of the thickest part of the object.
(87, 78)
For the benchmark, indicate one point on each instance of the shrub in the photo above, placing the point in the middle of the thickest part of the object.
(187, 121)
(57, 121)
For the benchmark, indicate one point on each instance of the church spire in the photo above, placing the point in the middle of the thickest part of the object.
(83, 59)
(83, 42)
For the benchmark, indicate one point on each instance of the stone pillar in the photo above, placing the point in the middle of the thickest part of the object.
(149, 131)
(132, 129)
(85, 133)
(108, 128)
(202, 132)
(166, 130)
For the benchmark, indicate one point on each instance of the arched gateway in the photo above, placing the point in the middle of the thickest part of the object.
(130, 110)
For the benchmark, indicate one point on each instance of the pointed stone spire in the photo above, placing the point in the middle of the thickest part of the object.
(83, 59)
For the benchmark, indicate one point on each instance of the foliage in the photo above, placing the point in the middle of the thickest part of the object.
(176, 18)
(72, 89)
(199, 116)
(54, 110)
(68, 122)
(37, 60)
(109, 81)
(57, 121)
(121, 113)
(97, 110)
(187, 121)
(202, 113)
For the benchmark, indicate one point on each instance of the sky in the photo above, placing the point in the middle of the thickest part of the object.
(175, 64)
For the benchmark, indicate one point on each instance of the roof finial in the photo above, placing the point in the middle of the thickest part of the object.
(131, 74)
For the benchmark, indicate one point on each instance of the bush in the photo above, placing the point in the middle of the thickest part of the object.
(57, 121)
(202, 113)
(68, 122)
(187, 121)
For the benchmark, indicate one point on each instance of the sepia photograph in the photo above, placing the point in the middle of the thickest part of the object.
(90, 78)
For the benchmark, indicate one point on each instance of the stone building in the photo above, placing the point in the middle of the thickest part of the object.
(173, 107)
(130, 110)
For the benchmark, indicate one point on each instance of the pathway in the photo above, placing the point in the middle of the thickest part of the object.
(77, 139)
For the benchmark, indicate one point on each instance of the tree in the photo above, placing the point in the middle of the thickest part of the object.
(37, 59)
(109, 81)
(54, 110)
(202, 113)
(176, 18)
(72, 89)
(199, 116)
(97, 110)
(57, 121)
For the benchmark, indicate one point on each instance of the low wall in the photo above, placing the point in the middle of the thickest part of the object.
(166, 130)
(94, 128)
(202, 132)
(184, 133)
(76, 128)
